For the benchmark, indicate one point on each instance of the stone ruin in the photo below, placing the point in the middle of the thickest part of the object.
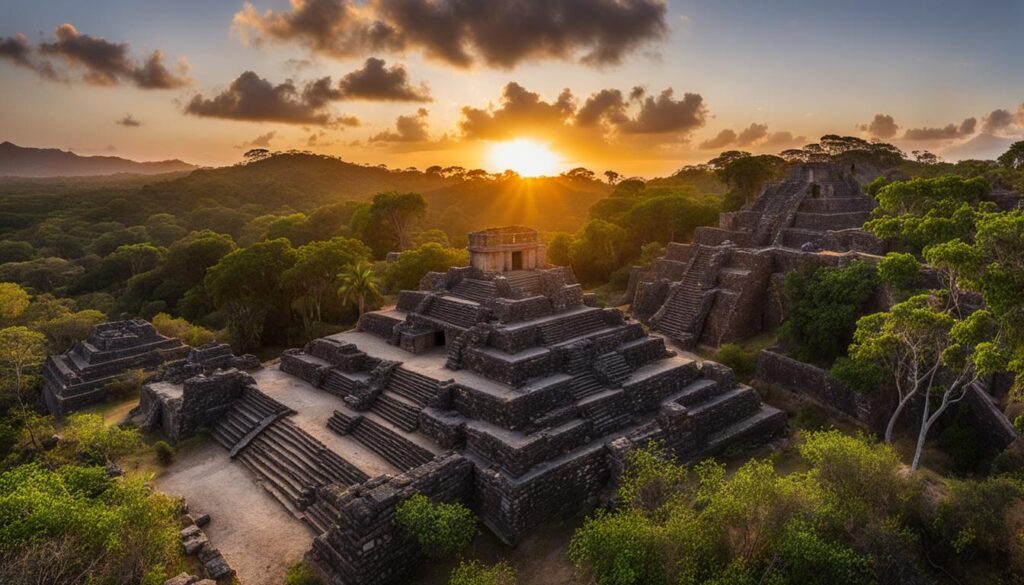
(78, 377)
(726, 285)
(492, 385)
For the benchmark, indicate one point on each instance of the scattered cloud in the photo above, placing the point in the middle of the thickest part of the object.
(463, 33)
(412, 128)
(996, 121)
(128, 121)
(948, 132)
(316, 139)
(882, 126)
(373, 82)
(520, 111)
(720, 140)
(73, 56)
(662, 114)
(261, 141)
(252, 98)
(752, 134)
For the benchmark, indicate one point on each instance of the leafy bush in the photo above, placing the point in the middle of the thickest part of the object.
(125, 385)
(59, 524)
(859, 376)
(301, 574)
(441, 529)
(164, 452)
(87, 438)
(620, 549)
(900, 271)
(742, 361)
(179, 328)
(476, 573)
(824, 304)
(972, 519)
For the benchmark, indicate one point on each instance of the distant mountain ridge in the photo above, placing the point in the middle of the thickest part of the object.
(19, 161)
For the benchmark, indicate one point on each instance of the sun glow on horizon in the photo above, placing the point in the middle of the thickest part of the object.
(525, 156)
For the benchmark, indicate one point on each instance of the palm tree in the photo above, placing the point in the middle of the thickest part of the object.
(358, 283)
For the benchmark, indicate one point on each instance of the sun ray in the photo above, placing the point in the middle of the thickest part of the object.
(525, 156)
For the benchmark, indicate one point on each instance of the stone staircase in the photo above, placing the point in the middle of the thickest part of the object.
(603, 413)
(456, 311)
(389, 444)
(418, 389)
(615, 367)
(525, 281)
(565, 327)
(584, 385)
(338, 384)
(683, 303)
(290, 465)
(475, 290)
(249, 413)
(398, 411)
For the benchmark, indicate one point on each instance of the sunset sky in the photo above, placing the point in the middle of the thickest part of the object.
(639, 86)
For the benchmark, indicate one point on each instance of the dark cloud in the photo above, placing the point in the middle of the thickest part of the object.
(881, 126)
(721, 140)
(948, 132)
(129, 121)
(752, 134)
(666, 114)
(252, 98)
(465, 32)
(784, 140)
(997, 120)
(412, 128)
(520, 111)
(261, 141)
(100, 62)
(376, 82)
(606, 106)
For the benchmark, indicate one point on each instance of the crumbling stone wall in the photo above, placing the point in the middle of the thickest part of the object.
(364, 546)
(813, 383)
(201, 402)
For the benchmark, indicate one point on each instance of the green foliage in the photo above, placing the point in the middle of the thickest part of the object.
(900, 271)
(441, 529)
(597, 250)
(1013, 158)
(847, 519)
(59, 524)
(742, 361)
(859, 376)
(412, 265)
(476, 573)
(179, 328)
(164, 452)
(559, 249)
(358, 283)
(13, 301)
(924, 212)
(301, 574)
(824, 304)
(87, 438)
(246, 285)
(972, 518)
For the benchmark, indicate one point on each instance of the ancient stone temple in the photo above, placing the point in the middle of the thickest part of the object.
(78, 377)
(502, 388)
(727, 284)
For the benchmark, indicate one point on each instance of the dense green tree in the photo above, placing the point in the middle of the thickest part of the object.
(13, 301)
(822, 308)
(598, 250)
(16, 251)
(22, 352)
(396, 213)
(246, 285)
(315, 273)
(559, 249)
(409, 267)
(1013, 158)
(441, 529)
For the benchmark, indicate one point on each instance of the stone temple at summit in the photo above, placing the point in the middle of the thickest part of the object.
(499, 385)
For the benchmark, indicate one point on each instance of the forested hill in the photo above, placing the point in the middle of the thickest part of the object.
(303, 181)
(18, 161)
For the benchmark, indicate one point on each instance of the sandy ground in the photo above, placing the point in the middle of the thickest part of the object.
(256, 535)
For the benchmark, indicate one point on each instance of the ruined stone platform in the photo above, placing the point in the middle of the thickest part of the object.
(726, 285)
(77, 378)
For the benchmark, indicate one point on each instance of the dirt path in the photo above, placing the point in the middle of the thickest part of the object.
(256, 535)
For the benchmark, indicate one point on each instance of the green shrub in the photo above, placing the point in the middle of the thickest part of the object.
(742, 361)
(126, 385)
(973, 516)
(301, 574)
(620, 549)
(441, 529)
(859, 376)
(824, 304)
(164, 452)
(900, 271)
(476, 573)
(87, 438)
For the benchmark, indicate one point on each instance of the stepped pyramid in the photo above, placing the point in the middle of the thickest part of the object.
(497, 385)
(726, 285)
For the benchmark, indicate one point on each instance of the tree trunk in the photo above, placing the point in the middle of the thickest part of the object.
(895, 415)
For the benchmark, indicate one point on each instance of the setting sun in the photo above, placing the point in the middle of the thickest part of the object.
(527, 157)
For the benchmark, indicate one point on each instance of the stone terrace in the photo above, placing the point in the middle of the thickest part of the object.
(505, 391)
(725, 286)
(77, 378)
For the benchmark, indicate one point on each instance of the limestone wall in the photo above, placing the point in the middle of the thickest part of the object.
(813, 383)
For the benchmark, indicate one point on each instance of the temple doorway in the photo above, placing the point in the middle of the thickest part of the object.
(517, 260)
